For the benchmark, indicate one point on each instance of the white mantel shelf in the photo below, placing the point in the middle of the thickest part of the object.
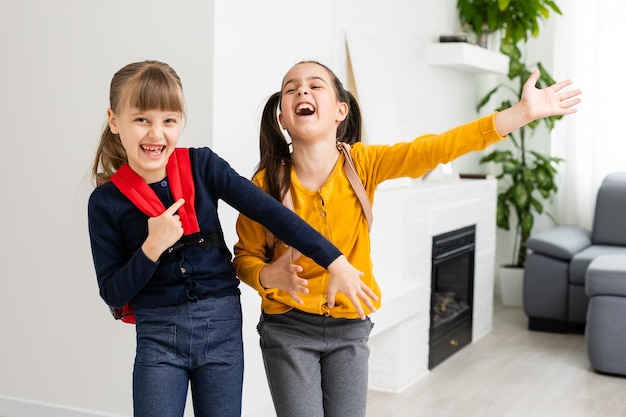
(405, 221)
(467, 57)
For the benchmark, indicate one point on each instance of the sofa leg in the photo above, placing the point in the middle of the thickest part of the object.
(576, 327)
(555, 326)
(547, 325)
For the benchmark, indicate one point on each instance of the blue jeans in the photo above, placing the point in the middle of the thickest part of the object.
(195, 342)
(316, 366)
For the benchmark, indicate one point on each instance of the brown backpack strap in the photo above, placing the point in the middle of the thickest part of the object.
(355, 182)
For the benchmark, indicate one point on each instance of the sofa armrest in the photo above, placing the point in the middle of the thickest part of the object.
(561, 242)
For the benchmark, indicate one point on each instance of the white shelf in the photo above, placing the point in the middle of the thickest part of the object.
(466, 57)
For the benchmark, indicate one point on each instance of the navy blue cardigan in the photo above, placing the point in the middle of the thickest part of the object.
(117, 230)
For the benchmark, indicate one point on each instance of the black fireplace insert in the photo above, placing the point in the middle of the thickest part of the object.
(452, 293)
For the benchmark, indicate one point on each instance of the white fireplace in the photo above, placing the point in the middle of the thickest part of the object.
(405, 221)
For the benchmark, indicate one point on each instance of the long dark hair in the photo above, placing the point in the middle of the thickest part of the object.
(273, 146)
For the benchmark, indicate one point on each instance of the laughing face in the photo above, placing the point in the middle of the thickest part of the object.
(309, 103)
(149, 138)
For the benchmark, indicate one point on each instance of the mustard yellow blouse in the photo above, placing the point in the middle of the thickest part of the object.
(335, 211)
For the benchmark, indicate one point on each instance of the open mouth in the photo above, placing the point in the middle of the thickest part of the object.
(305, 109)
(153, 150)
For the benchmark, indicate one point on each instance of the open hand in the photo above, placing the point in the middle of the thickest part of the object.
(283, 275)
(537, 103)
(347, 279)
(549, 101)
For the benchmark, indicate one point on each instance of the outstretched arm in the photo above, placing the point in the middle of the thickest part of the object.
(536, 104)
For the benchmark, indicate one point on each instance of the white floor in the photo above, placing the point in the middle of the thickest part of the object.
(511, 372)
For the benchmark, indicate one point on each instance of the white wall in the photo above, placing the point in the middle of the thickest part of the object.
(60, 348)
(59, 343)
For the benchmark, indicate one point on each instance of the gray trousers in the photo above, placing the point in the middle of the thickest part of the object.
(316, 366)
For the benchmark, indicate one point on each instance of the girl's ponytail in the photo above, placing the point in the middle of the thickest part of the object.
(110, 156)
(349, 130)
(274, 149)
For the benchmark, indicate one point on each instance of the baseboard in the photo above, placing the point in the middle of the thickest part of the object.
(15, 407)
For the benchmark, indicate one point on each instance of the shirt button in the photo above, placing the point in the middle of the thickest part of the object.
(323, 214)
(163, 183)
(183, 270)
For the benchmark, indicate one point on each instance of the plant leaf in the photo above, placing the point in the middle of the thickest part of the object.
(486, 98)
(526, 223)
(520, 197)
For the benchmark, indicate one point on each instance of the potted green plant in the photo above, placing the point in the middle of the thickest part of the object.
(515, 20)
(526, 178)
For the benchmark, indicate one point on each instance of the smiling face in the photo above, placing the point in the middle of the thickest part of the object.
(309, 103)
(149, 138)
(145, 117)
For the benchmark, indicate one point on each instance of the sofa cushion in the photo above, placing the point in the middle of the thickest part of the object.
(609, 224)
(561, 242)
(606, 275)
(580, 262)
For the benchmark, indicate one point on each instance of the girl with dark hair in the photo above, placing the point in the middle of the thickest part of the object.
(314, 347)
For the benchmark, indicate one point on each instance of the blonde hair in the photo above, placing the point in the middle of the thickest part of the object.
(145, 85)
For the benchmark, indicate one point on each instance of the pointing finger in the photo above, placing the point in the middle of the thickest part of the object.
(174, 207)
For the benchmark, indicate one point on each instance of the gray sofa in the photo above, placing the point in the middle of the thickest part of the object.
(605, 333)
(555, 271)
